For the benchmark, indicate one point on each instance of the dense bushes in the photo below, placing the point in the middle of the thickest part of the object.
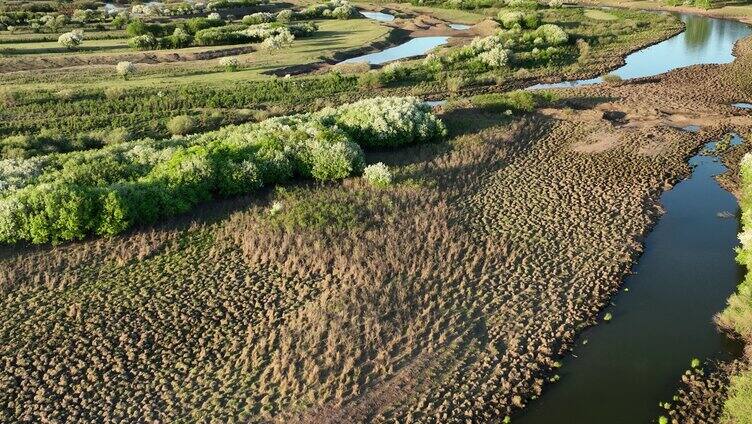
(211, 32)
(67, 196)
(388, 121)
(339, 9)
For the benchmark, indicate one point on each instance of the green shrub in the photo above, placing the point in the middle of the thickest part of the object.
(181, 125)
(378, 175)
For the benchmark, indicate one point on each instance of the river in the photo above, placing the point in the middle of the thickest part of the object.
(621, 370)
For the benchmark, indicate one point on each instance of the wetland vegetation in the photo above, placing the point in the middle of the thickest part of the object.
(262, 211)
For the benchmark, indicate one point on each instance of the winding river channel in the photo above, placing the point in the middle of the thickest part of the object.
(620, 371)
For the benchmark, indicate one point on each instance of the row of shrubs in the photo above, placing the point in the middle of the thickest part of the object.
(63, 197)
(209, 32)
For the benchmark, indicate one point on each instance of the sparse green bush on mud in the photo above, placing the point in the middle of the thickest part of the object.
(181, 125)
(515, 101)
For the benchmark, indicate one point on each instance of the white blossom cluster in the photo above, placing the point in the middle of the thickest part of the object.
(283, 38)
(555, 4)
(17, 173)
(391, 120)
(378, 175)
(264, 31)
(258, 18)
(149, 9)
(229, 62)
(340, 9)
(497, 57)
(71, 39)
(509, 19)
(552, 34)
(125, 69)
(214, 16)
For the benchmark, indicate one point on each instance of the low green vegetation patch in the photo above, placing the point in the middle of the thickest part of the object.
(600, 15)
(513, 102)
(738, 407)
(62, 197)
(316, 209)
(737, 317)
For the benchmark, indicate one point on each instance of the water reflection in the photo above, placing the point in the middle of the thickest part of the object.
(705, 40)
(415, 47)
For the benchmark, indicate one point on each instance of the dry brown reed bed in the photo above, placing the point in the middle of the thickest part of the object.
(450, 300)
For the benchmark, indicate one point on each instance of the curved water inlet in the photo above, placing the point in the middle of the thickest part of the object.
(704, 41)
(412, 48)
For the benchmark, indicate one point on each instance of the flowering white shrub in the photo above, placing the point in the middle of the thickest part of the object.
(479, 45)
(510, 19)
(125, 69)
(17, 173)
(553, 34)
(345, 11)
(336, 161)
(258, 18)
(389, 121)
(229, 63)
(82, 16)
(71, 39)
(143, 42)
(378, 175)
(151, 9)
(278, 41)
(497, 57)
(285, 15)
(214, 16)
(340, 9)
(555, 4)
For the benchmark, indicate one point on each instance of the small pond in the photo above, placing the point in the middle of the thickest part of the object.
(414, 47)
(378, 16)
